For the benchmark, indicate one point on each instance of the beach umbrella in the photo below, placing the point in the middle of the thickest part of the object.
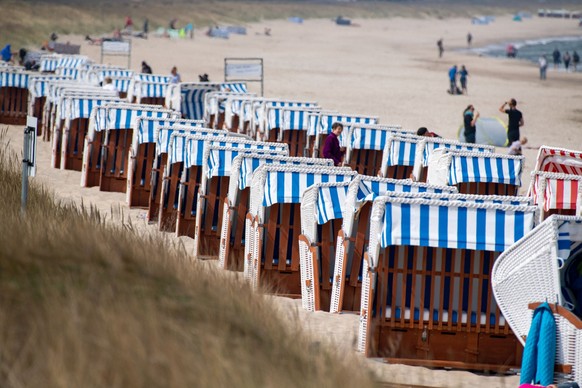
(490, 131)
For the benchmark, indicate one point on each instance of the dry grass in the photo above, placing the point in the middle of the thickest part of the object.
(29, 23)
(86, 304)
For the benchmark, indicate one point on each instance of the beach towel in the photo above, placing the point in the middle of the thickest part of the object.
(537, 365)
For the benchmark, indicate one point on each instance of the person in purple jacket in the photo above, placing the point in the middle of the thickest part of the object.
(331, 147)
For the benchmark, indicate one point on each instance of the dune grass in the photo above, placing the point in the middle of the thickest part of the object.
(29, 23)
(89, 303)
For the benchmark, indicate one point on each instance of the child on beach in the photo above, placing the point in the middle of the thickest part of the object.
(515, 147)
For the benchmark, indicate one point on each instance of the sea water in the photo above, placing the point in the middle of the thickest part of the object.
(531, 50)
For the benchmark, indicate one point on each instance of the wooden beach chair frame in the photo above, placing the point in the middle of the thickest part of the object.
(236, 205)
(13, 96)
(439, 314)
(278, 225)
(353, 238)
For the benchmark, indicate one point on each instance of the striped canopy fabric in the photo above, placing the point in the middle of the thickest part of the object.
(164, 135)
(289, 118)
(63, 105)
(250, 163)
(152, 89)
(559, 160)
(71, 72)
(489, 168)
(371, 138)
(401, 151)
(235, 87)
(192, 99)
(222, 153)
(148, 127)
(557, 191)
(141, 77)
(459, 225)
(14, 79)
(331, 201)
(81, 107)
(430, 144)
(372, 187)
(71, 61)
(326, 121)
(97, 76)
(125, 116)
(288, 186)
(48, 63)
(121, 83)
(38, 84)
(182, 143)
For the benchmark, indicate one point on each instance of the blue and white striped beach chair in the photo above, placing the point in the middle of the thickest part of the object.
(178, 148)
(274, 224)
(37, 92)
(48, 63)
(427, 283)
(536, 269)
(215, 108)
(476, 172)
(345, 256)
(62, 109)
(142, 156)
(236, 204)
(13, 96)
(365, 145)
(321, 128)
(116, 145)
(192, 177)
(289, 124)
(188, 98)
(163, 136)
(216, 177)
(77, 112)
(428, 144)
(398, 156)
(52, 90)
(322, 208)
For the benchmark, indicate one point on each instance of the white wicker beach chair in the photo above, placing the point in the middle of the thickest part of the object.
(426, 297)
(143, 153)
(193, 171)
(37, 92)
(365, 145)
(352, 239)
(236, 204)
(532, 271)
(322, 208)
(215, 108)
(77, 110)
(274, 219)
(321, 128)
(216, 175)
(427, 145)
(398, 156)
(176, 149)
(558, 160)
(476, 172)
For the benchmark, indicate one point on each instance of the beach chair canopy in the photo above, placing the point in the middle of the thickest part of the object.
(453, 167)
(38, 84)
(14, 79)
(427, 145)
(447, 224)
(371, 137)
(556, 191)
(320, 203)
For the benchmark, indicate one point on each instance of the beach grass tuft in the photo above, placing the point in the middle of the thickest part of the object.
(86, 302)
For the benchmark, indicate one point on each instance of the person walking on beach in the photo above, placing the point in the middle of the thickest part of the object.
(469, 39)
(470, 121)
(515, 119)
(463, 73)
(543, 62)
(556, 56)
(575, 61)
(453, 80)
(441, 47)
(566, 58)
(331, 147)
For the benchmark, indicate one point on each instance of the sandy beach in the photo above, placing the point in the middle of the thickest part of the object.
(388, 68)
